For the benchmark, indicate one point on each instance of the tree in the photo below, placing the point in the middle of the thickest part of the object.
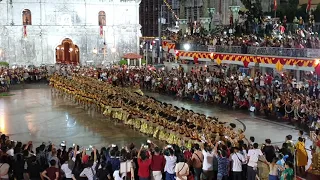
(254, 9)
(316, 13)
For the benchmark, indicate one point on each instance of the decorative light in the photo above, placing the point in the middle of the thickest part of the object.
(113, 50)
(169, 7)
(70, 49)
(95, 51)
(58, 48)
(186, 47)
(316, 62)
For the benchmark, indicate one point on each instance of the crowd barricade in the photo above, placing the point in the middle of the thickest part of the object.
(278, 51)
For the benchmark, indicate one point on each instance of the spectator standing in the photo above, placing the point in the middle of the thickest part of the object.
(51, 173)
(207, 167)
(237, 160)
(181, 169)
(169, 168)
(269, 151)
(157, 164)
(144, 163)
(90, 170)
(253, 158)
(197, 160)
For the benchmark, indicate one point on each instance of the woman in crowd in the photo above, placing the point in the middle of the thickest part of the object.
(181, 168)
(288, 173)
(301, 156)
(144, 162)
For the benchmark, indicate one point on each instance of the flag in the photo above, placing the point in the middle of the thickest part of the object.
(275, 5)
(308, 6)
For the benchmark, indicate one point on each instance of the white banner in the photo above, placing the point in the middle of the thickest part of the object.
(212, 48)
(313, 53)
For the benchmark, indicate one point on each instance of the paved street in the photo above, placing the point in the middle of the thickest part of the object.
(35, 114)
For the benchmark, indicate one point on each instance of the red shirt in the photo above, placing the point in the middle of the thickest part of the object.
(158, 163)
(51, 172)
(144, 167)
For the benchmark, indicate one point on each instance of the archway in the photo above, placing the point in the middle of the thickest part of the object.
(67, 53)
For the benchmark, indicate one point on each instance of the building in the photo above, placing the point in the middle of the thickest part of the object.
(314, 3)
(37, 32)
(150, 13)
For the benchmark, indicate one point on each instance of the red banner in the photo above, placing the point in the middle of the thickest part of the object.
(24, 31)
(101, 31)
(308, 6)
(275, 5)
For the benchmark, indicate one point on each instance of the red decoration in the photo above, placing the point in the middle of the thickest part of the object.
(245, 64)
(24, 31)
(317, 69)
(195, 60)
(101, 31)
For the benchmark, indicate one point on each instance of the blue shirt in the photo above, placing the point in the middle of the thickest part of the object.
(223, 164)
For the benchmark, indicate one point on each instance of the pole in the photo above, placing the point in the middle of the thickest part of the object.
(105, 46)
(159, 33)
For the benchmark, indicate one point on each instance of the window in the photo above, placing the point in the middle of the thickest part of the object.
(26, 17)
(102, 18)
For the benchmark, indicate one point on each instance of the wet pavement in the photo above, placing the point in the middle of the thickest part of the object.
(35, 114)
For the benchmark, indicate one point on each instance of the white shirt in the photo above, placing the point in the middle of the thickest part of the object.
(207, 160)
(10, 152)
(125, 167)
(253, 156)
(116, 175)
(183, 170)
(89, 172)
(237, 160)
(66, 170)
(170, 164)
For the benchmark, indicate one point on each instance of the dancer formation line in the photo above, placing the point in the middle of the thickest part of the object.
(154, 118)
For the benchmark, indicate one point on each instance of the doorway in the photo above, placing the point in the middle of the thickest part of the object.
(67, 53)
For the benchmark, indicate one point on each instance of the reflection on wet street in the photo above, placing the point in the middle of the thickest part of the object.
(35, 114)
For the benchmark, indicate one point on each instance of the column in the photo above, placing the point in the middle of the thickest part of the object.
(128, 62)
(205, 21)
(205, 8)
(139, 62)
(235, 12)
(211, 12)
(298, 75)
(183, 25)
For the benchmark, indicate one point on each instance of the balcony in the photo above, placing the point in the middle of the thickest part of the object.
(267, 51)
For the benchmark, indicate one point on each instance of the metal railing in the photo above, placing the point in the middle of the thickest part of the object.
(229, 49)
(268, 51)
(278, 51)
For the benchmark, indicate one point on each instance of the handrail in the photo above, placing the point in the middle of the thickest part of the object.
(268, 51)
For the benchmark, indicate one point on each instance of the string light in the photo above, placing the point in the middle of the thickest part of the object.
(169, 7)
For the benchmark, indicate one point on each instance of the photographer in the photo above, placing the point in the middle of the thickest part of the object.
(144, 162)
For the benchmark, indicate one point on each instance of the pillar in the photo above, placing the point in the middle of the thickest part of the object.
(297, 75)
(128, 62)
(183, 23)
(205, 21)
(211, 12)
(205, 7)
(139, 62)
(235, 12)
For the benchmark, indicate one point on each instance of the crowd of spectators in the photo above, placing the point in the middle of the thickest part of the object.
(267, 33)
(221, 161)
(21, 75)
(280, 97)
